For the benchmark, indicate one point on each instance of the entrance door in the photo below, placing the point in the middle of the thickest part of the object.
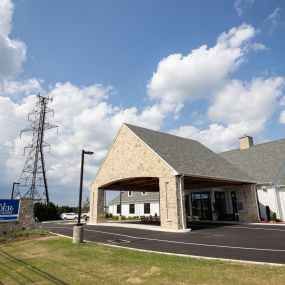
(220, 205)
(234, 203)
(201, 205)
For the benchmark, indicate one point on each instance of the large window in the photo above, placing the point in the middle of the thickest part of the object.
(118, 209)
(147, 208)
(201, 205)
(131, 208)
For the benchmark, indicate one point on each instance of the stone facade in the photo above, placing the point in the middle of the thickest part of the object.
(246, 196)
(129, 157)
(25, 219)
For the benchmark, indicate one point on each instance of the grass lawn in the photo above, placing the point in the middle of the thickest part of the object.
(55, 260)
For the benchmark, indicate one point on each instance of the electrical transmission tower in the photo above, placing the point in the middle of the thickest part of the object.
(33, 181)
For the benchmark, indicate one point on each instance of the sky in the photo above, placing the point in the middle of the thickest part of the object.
(206, 70)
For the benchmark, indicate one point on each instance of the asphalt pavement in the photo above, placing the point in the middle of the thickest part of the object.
(259, 243)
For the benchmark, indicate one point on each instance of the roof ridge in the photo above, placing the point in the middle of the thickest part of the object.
(160, 132)
(254, 146)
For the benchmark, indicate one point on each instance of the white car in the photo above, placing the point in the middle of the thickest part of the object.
(85, 216)
(69, 216)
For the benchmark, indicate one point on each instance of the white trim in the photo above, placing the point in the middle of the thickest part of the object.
(103, 161)
(219, 178)
(181, 201)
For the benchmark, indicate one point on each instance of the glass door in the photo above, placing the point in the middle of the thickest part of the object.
(201, 205)
(220, 205)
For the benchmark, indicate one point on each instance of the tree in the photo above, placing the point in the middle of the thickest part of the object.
(86, 205)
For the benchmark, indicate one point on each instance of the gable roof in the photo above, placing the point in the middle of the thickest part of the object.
(189, 157)
(135, 198)
(261, 161)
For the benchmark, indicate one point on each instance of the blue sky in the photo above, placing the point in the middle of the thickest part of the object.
(206, 70)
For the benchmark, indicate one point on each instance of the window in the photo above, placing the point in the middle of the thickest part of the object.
(144, 193)
(131, 208)
(130, 193)
(147, 208)
(118, 209)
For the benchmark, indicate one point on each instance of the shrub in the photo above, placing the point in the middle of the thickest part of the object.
(274, 217)
(44, 212)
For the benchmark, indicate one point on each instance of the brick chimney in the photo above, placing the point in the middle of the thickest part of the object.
(245, 142)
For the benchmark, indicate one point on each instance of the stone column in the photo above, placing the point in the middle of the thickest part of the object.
(171, 214)
(246, 196)
(96, 205)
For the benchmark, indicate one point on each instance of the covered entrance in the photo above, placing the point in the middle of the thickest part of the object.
(190, 178)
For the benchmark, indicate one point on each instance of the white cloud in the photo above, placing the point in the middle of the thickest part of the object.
(282, 117)
(258, 47)
(6, 13)
(239, 108)
(274, 20)
(242, 5)
(86, 120)
(12, 52)
(20, 89)
(246, 102)
(180, 78)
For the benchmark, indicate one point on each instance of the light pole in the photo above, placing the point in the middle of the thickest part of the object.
(120, 217)
(14, 183)
(78, 229)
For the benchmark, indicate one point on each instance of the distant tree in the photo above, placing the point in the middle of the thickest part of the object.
(44, 212)
(86, 205)
(65, 209)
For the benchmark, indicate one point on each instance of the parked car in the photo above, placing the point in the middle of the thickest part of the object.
(85, 216)
(69, 216)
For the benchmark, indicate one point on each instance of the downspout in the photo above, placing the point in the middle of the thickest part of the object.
(276, 189)
(181, 176)
(257, 200)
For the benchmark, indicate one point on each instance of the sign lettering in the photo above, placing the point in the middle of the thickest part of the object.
(9, 210)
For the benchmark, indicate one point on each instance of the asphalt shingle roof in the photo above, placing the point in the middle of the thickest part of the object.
(189, 156)
(135, 198)
(261, 161)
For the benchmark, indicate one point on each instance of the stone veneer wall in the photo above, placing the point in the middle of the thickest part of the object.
(129, 157)
(25, 219)
(246, 194)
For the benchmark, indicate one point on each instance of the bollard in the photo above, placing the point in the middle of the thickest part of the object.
(78, 234)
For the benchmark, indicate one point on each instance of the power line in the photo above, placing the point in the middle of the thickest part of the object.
(67, 162)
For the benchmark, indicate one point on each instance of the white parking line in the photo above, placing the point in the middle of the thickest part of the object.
(244, 227)
(181, 242)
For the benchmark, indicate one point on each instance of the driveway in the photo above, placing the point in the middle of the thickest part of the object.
(261, 243)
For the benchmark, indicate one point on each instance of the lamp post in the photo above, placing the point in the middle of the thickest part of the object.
(78, 229)
(120, 217)
(14, 183)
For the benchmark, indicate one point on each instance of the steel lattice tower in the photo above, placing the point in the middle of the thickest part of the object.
(33, 181)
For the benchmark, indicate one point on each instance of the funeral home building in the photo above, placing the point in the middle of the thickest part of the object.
(188, 178)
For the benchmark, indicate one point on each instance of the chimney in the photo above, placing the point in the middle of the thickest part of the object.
(245, 142)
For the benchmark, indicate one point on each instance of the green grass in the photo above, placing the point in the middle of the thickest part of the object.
(54, 260)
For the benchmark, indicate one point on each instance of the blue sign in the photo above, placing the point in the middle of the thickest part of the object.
(9, 210)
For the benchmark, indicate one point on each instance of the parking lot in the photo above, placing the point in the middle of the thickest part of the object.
(259, 243)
